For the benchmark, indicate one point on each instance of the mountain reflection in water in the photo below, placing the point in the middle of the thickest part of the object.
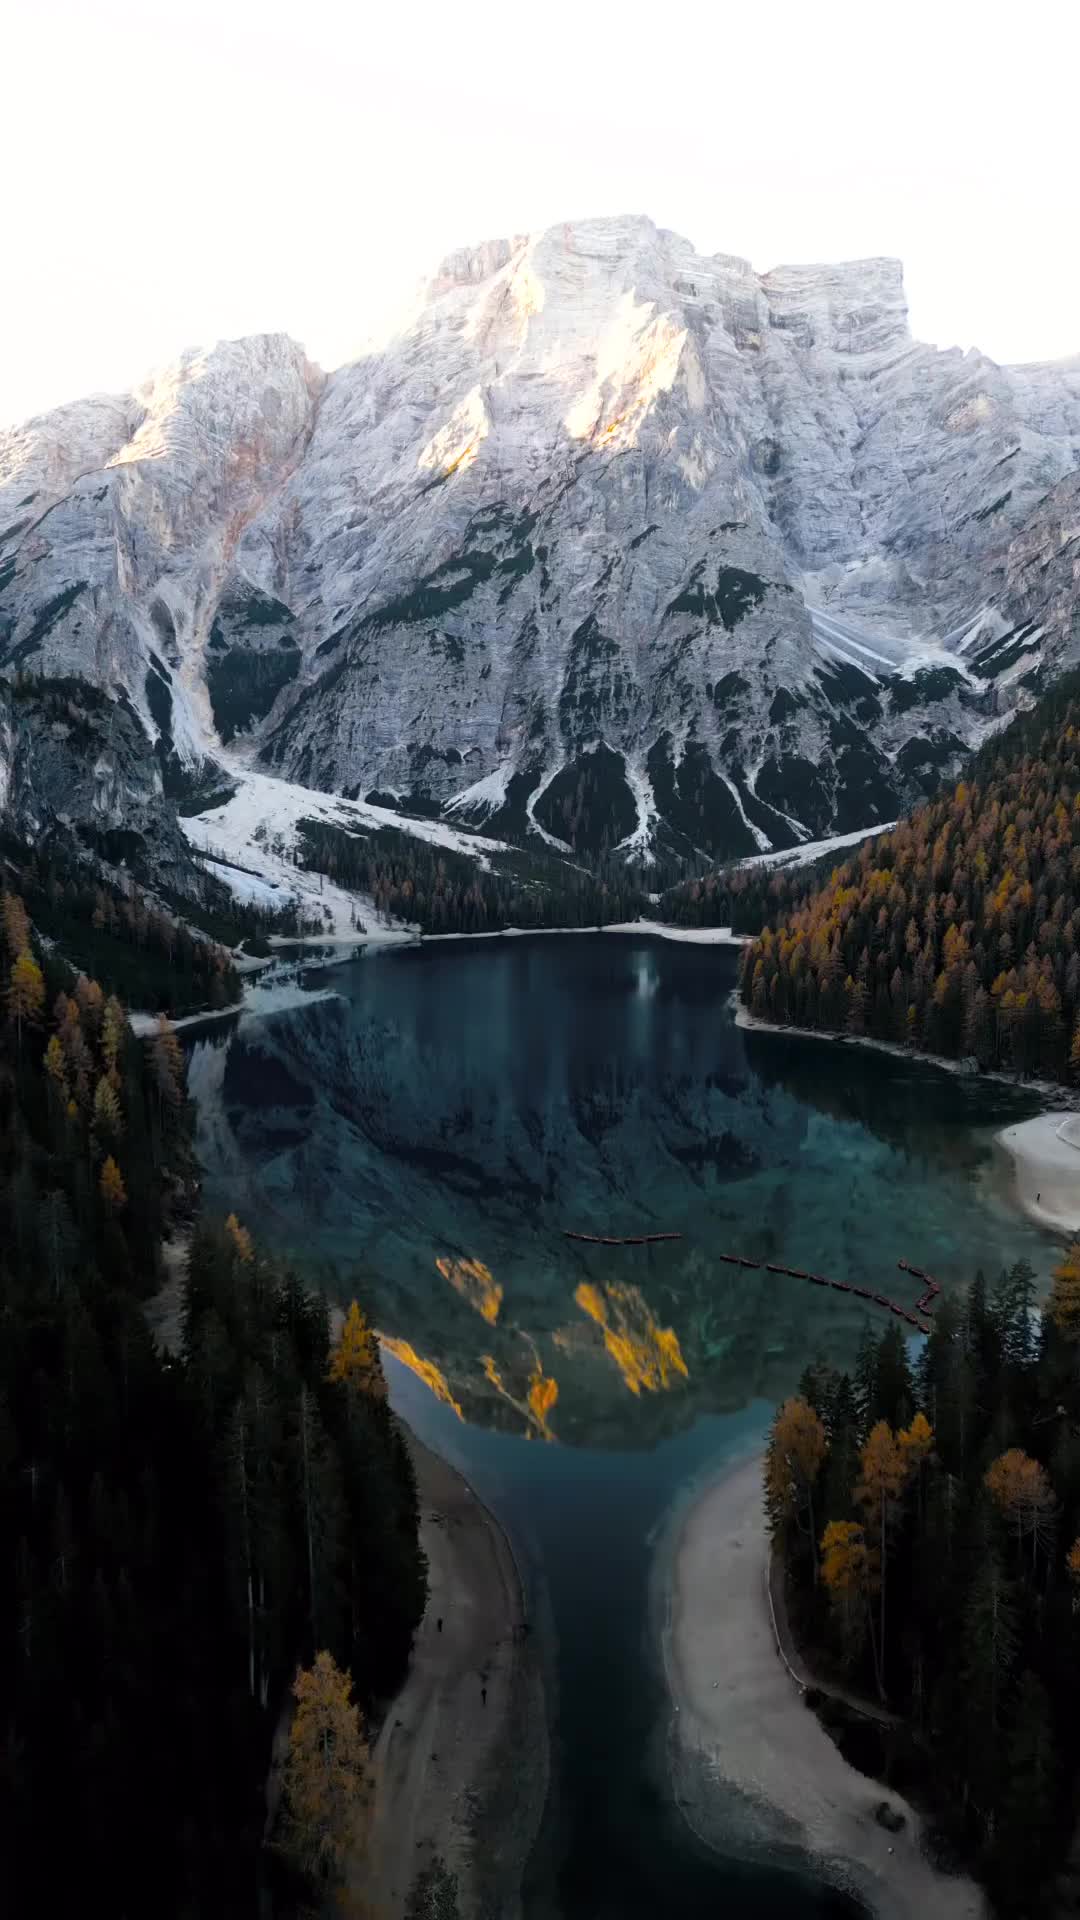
(432, 1133)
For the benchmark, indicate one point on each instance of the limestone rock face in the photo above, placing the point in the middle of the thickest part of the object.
(612, 544)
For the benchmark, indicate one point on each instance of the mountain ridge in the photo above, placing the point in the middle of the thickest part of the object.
(614, 545)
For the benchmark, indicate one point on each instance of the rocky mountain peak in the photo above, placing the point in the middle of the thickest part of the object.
(614, 544)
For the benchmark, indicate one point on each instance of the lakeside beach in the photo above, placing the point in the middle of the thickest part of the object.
(465, 1739)
(1044, 1156)
(751, 1764)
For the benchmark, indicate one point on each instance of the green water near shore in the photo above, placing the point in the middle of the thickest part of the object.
(435, 1129)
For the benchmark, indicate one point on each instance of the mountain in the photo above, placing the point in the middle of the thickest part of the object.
(612, 544)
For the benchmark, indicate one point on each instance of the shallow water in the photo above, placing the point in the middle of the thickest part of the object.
(436, 1129)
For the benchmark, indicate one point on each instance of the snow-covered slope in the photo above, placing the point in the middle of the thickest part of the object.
(612, 544)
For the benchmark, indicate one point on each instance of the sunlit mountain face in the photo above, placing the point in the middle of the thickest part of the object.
(429, 1138)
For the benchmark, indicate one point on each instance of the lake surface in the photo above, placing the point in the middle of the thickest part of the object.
(426, 1137)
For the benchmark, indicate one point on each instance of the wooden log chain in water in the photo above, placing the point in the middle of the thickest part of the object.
(626, 1240)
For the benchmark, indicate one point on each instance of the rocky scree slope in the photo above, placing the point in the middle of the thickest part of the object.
(611, 545)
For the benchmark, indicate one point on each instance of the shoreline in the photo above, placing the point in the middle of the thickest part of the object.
(1068, 1099)
(1044, 1169)
(753, 1771)
(449, 1757)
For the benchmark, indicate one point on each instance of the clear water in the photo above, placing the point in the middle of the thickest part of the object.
(437, 1126)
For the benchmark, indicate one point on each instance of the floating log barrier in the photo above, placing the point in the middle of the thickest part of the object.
(625, 1240)
(848, 1286)
(933, 1287)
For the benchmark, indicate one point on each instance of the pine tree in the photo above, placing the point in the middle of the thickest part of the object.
(320, 1505)
(1028, 1800)
(990, 1642)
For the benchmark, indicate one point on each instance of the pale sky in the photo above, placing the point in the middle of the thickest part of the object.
(178, 174)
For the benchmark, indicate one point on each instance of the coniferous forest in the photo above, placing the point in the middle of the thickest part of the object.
(928, 1523)
(958, 932)
(182, 1530)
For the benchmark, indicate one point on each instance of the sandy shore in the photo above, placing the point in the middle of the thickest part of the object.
(1045, 1156)
(461, 1763)
(753, 1768)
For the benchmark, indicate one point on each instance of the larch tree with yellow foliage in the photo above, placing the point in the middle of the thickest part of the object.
(108, 1117)
(877, 1490)
(240, 1240)
(16, 923)
(1020, 1489)
(916, 1444)
(796, 1450)
(1063, 1305)
(56, 1067)
(26, 992)
(326, 1771)
(845, 1575)
(354, 1357)
(111, 1183)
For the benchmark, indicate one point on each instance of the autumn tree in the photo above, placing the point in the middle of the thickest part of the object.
(108, 1117)
(113, 1191)
(326, 1771)
(354, 1357)
(845, 1574)
(26, 991)
(1063, 1305)
(880, 1483)
(113, 1029)
(16, 925)
(1020, 1489)
(168, 1064)
(56, 1067)
(240, 1240)
(797, 1447)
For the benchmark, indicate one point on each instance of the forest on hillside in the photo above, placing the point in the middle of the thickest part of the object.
(928, 1520)
(958, 932)
(182, 1530)
(441, 891)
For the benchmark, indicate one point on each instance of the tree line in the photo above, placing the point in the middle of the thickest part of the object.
(442, 891)
(928, 1523)
(959, 931)
(180, 1530)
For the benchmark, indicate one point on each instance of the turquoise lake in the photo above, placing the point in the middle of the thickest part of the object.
(428, 1135)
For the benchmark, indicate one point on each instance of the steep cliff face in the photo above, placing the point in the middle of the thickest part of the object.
(612, 544)
(77, 763)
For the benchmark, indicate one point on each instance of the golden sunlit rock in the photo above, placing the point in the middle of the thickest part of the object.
(425, 1370)
(542, 1395)
(647, 1355)
(476, 1284)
